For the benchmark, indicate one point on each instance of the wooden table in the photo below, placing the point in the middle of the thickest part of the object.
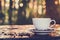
(15, 29)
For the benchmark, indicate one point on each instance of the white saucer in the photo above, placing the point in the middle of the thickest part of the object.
(42, 32)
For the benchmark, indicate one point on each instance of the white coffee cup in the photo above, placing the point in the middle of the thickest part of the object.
(43, 23)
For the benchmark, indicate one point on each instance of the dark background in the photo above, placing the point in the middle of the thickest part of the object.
(51, 12)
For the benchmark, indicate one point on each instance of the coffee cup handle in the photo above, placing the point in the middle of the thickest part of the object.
(53, 24)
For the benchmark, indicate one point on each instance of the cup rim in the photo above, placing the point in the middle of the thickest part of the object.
(41, 18)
